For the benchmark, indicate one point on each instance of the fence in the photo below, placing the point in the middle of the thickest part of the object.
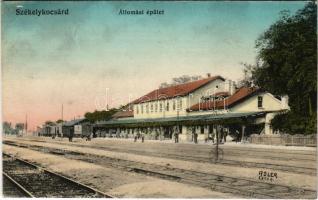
(286, 140)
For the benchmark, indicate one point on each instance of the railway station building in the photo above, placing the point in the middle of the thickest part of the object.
(203, 107)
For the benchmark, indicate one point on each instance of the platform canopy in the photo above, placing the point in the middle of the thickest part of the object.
(225, 118)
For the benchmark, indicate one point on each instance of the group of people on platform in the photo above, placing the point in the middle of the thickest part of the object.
(174, 133)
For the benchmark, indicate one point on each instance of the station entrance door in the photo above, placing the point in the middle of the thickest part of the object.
(168, 132)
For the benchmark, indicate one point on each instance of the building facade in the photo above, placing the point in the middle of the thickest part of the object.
(199, 107)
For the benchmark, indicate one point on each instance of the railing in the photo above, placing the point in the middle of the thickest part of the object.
(287, 140)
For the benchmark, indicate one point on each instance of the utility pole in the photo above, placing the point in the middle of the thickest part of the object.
(62, 122)
(62, 113)
(217, 143)
(26, 124)
(243, 134)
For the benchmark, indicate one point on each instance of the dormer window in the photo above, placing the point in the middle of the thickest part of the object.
(260, 102)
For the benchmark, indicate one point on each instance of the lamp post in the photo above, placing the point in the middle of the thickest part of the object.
(62, 123)
(243, 134)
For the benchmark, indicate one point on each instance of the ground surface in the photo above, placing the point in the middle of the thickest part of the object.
(123, 168)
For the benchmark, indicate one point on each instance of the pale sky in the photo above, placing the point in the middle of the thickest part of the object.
(48, 61)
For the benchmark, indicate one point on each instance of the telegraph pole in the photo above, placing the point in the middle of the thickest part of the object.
(217, 144)
(62, 123)
(26, 124)
(62, 113)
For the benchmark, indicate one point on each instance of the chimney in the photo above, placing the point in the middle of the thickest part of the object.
(284, 100)
(231, 87)
(208, 75)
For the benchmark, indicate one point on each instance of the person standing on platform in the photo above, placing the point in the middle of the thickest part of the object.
(176, 135)
(222, 134)
(135, 135)
(161, 130)
(195, 135)
(225, 134)
(70, 136)
(237, 136)
(143, 135)
(212, 137)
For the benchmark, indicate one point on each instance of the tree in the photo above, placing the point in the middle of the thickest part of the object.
(19, 126)
(248, 73)
(7, 128)
(49, 123)
(59, 121)
(287, 61)
(100, 115)
(180, 80)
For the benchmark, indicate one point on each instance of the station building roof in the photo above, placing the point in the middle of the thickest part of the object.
(176, 90)
(241, 94)
(168, 92)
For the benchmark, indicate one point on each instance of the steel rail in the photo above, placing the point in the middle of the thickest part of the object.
(20, 187)
(58, 175)
(129, 166)
(246, 164)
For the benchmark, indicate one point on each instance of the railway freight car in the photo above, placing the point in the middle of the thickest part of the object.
(68, 128)
(83, 129)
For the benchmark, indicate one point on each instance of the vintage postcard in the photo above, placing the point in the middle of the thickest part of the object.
(159, 99)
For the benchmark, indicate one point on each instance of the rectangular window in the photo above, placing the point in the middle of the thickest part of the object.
(180, 104)
(156, 106)
(260, 102)
(137, 109)
(202, 129)
(180, 129)
(174, 105)
(147, 108)
(167, 108)
(142, 109)
(160, 107)
(151, 107)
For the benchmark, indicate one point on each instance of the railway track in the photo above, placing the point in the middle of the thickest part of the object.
(207, 158)
(225, 184)
(204, 149)
(28, 180)
(13, 189)
(224, 160)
